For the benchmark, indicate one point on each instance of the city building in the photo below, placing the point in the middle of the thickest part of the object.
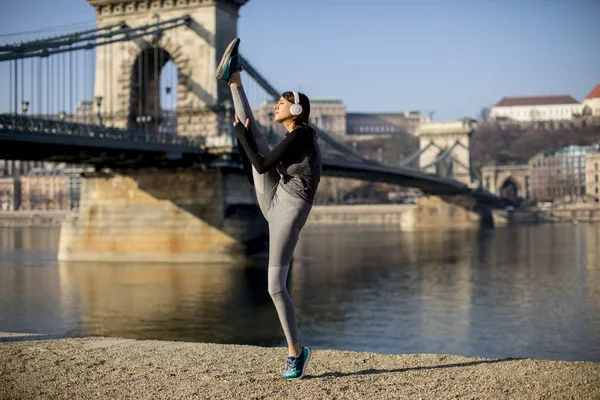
(591, 103)
(592, 175)
(559, 175)
(508, 181)
(367, 126)
(536, 108)
(84, 113)
(33, 185)
(45, 190)
(9, 194)
(15, 168)
(330, 115)
(326, 114)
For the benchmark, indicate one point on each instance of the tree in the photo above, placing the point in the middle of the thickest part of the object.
(493, 144)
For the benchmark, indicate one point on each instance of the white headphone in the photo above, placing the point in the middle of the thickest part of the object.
(296, 108)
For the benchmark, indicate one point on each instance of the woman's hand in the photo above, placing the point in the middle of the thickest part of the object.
(241, 130)
(237, 121)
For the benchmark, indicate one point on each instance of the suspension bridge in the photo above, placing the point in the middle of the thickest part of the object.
(137, 95)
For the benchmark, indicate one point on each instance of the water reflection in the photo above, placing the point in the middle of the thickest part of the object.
(530, 291)
(593, 267)
(29, 287)
(224, 303)
(504, 292)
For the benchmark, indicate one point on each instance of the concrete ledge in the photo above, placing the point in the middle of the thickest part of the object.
(39, 367)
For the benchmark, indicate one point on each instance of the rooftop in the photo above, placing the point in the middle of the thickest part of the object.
(536, 101)
(594, 93)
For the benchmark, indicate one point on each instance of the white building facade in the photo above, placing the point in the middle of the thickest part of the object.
(591, 104)
(536, 108)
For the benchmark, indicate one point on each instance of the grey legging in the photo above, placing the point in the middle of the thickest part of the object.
(286, 215)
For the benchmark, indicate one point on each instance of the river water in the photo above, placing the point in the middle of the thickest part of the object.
(526, 291)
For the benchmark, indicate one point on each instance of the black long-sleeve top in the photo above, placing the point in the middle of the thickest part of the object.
(297, 159)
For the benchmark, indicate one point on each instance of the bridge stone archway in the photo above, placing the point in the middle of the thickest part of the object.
(194, 49)
(504, 180)
(445, 148)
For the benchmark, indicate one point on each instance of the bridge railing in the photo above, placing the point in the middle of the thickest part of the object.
(19, 123)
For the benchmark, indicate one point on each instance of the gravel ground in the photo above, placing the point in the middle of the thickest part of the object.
(40, 367)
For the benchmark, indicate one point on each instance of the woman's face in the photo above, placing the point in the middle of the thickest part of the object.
(282, 110)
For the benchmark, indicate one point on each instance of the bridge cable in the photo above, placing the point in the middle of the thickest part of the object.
(416, 155)
(40, 85)
(442, 156)
(85, 97)
(10, 88)
(146, 81)
(64, 85)
(22, 80)
(322, 134)
(71, 107)
(38, 42)
(77, 94)
(52, 84)
(159, 84)
(47, 86)
(156, 118)
(50, 29)
(50, 48)
(57, 41)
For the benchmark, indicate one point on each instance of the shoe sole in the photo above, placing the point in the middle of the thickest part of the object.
(303, 368)
(226, 56)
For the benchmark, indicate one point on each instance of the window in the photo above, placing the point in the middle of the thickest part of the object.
(596, 177)
(596, 166)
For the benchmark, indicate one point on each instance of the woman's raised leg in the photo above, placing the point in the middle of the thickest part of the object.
(266, 183)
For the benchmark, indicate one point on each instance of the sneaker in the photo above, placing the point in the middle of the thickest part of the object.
(295, 366)
(230, 62)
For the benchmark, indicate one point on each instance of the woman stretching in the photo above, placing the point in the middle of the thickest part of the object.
(286, 180)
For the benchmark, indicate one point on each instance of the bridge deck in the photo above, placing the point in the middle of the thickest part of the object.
(25, 138)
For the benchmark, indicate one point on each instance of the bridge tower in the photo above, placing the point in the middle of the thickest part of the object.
(127, 71)
(445, 148)
(178, 214)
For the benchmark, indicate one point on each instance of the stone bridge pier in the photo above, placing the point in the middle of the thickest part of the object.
(185, 215)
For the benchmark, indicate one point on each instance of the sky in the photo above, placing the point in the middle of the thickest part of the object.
(452, 57)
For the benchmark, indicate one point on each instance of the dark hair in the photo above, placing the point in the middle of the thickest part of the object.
(302, 119)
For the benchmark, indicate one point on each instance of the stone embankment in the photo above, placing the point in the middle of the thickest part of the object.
(18, 219)
(37, 367)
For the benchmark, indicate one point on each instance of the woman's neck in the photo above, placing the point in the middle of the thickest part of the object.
(290, 125)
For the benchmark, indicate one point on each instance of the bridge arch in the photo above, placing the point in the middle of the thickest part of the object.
(510, 189)
(194, 48)
(142, 94)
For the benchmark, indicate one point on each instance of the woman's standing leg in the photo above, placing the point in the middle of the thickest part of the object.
(283, 237)
(287, 216)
